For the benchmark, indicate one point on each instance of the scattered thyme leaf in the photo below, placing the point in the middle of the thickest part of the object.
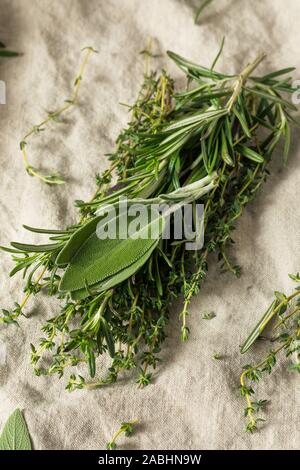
(208, 315)
(218, 357)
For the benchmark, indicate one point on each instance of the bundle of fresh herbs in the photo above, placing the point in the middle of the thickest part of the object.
(212, 143)
(284, 313)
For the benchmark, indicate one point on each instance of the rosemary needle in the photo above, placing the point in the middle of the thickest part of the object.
(203, 5)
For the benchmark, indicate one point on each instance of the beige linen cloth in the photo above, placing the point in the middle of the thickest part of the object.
(194, 402)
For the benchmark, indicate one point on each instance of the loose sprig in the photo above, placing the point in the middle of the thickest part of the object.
(54, 116)
(225, 125)
(125, 428)
(284, 312)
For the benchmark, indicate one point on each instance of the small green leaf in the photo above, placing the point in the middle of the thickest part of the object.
(35, 248)
(42, 230)
(280, 296)
(193, 69)
(196, 118)
(53, 179)
(224, 151)
(277, 73)
(200, 10)
(294, 277)
(218, 357)
(273, 97)
(242, 121)
(218, 54)
(208, 315)
(15, 434)
(91, 362)
(108, 337)
(249, 153)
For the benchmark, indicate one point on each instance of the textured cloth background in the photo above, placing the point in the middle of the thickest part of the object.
(194, 403)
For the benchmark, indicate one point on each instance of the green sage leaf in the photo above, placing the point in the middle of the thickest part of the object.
(97, 260)
(15, 434)
(113, 281)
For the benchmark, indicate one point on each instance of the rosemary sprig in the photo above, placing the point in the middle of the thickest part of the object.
(125, 428)
(225, 125)
(54, 116)
(286, 331)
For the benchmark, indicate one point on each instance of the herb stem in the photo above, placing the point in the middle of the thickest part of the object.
(126, 428)
(277, 308)
(282, 322)
(250, 181)
(242, 78)
(53, 116)
(23, 303)
(243, 381)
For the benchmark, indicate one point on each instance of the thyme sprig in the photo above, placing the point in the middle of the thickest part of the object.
(125, 428)
(284, 313)
(54, 116)
(227, 125)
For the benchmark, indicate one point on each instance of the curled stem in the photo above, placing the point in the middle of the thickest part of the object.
(54, 116)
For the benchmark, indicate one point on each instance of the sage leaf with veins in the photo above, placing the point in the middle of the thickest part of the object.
(114, 280)
(87, 254)
(97, 259)
(15, 434)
